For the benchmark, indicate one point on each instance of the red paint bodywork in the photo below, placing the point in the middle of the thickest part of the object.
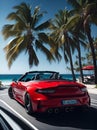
(63, 91)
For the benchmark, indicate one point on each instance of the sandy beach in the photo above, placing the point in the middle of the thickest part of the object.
(91, 88)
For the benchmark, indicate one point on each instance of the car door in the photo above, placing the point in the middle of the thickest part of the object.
(21, 90)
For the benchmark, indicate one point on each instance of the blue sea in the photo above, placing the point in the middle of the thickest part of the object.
(6, 79)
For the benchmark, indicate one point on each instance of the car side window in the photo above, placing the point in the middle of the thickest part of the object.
(27, 78)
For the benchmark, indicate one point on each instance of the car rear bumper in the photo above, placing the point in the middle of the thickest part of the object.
(58, 103)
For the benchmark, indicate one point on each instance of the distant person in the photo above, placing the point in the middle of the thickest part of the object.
(1, 84)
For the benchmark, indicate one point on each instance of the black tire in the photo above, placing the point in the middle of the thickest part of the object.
(10, 92)
(28, 104)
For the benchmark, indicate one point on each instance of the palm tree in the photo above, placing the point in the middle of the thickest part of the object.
(27, 34)
(62, 36)
(79, 37)
(86, 12)
(89, 54)
(85, 61)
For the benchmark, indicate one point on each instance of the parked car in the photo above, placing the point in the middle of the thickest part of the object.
(48, 91)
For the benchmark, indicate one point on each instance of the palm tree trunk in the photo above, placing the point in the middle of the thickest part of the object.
(93, 54)
(79, 57)
(70, 58)
(76, 34)
(71, 63)
(80, 64)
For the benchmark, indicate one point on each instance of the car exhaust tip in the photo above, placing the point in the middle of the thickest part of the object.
(50, 111)
(56, 110)
(69, 109)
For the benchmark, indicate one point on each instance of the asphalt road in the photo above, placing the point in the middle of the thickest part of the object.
(63, 121)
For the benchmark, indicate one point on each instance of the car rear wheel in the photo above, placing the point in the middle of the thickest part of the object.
(28, 104)
(10, 92)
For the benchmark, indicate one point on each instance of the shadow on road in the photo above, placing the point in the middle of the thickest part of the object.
(2, 88)
(81, 120)
(6, 117)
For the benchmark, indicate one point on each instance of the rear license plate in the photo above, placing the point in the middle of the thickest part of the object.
(69, 102)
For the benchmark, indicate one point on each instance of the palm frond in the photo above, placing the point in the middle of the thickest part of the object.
(17, 18)
(74, 3)
(10, 45)
(48, 54)
(43, 26)
(36, 10)
(43, 37)
(14, 48)
(33, 59)
(72, 21)
(55, 52)
(7, 29)
(24, 11)
(91, 8)
(36, 17)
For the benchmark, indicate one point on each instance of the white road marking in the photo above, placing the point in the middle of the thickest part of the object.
(30, 124)
(94, 102)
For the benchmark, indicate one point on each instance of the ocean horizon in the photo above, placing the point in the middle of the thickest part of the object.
(6, 79)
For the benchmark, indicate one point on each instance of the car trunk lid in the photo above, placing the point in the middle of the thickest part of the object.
(61, 88)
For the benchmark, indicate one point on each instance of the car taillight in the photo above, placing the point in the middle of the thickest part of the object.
(84, 89)
(45, 91)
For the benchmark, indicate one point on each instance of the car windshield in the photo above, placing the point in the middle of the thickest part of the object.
(39, 76)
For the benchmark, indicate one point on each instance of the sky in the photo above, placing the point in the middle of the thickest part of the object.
(21, 65)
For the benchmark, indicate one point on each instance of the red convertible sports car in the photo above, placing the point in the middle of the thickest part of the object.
(48, 91)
